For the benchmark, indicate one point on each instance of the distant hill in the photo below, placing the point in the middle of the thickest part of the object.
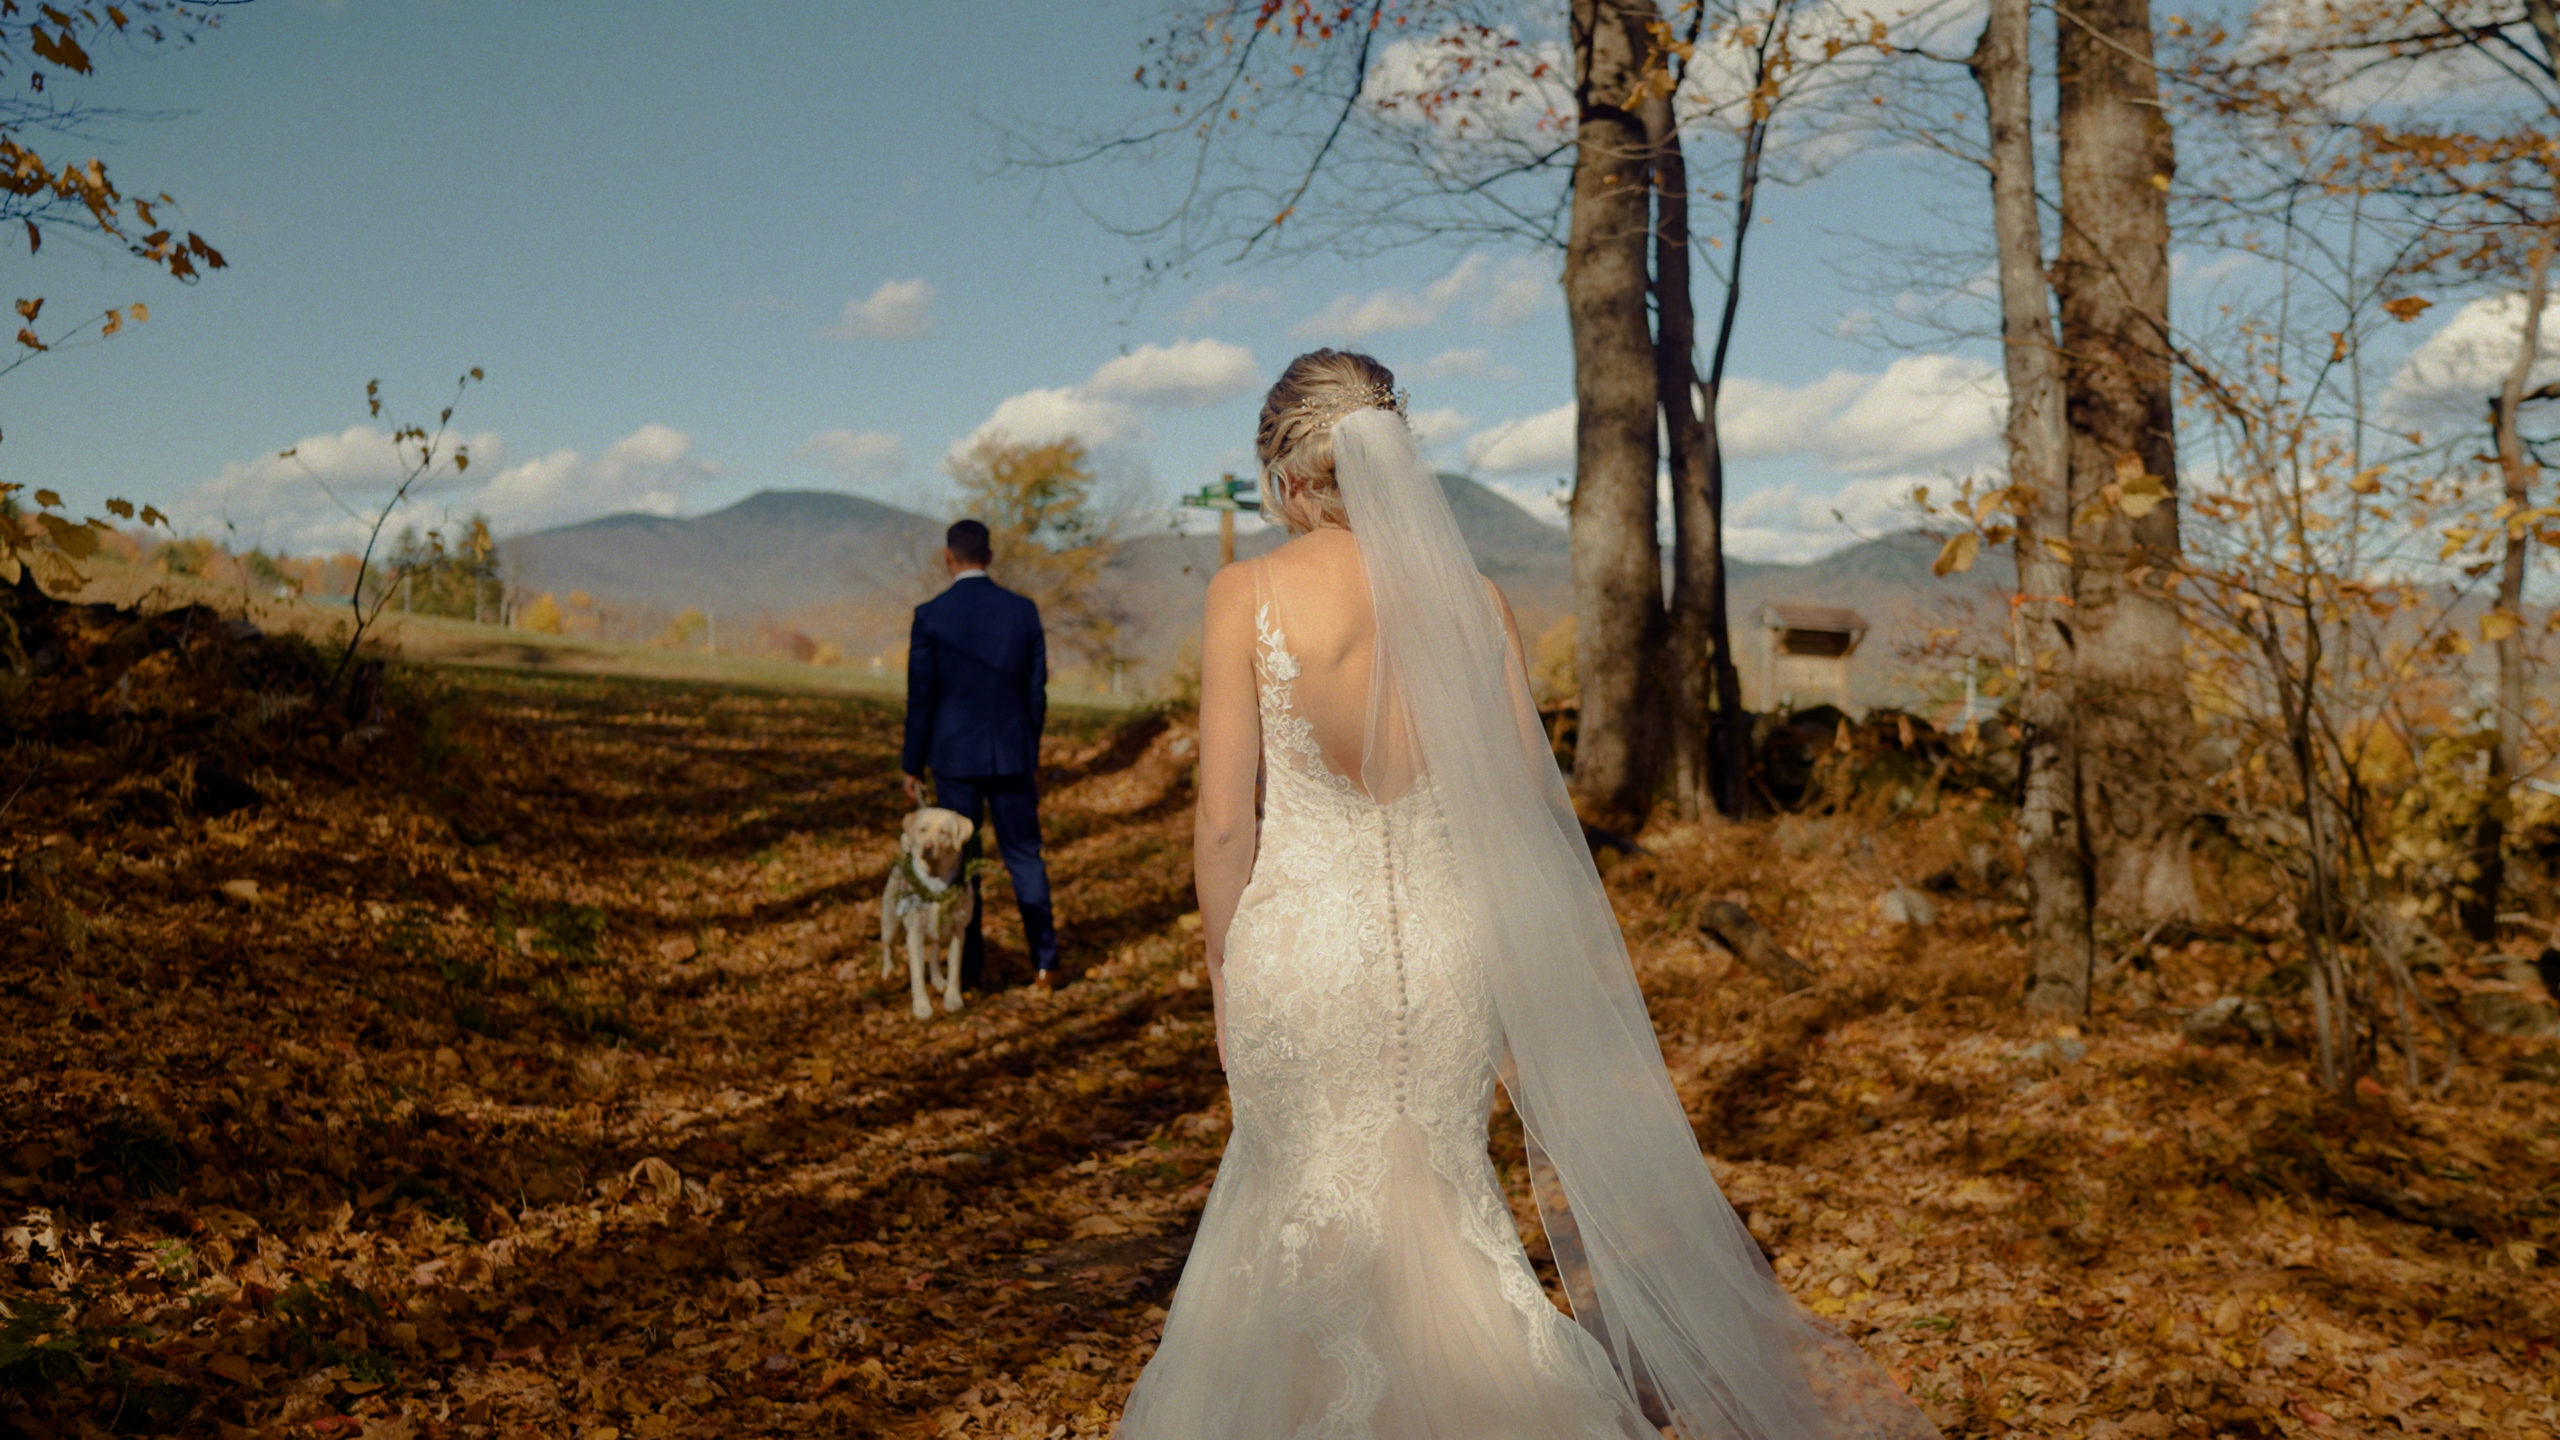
(835, 567)
(843, 570)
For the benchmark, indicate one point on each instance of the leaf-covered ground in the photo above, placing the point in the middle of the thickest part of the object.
(534, 1076)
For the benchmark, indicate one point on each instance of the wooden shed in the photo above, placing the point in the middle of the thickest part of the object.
(1805, 653)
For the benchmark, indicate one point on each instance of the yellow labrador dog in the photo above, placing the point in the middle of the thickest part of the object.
(928, 900)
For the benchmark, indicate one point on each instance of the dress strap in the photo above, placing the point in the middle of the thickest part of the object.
(1269, 634)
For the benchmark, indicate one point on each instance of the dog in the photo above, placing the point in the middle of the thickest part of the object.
(929, 900)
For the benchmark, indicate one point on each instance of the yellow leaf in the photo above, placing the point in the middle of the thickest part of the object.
(1957, 556)
(2141, 494)
(2498, 625)
(2059, 549)
(2367, 480)
(28, 338)
(115, 322)
(121, 509)
(49, 499)
(2407, 307)
(27, 308)
(140, 312)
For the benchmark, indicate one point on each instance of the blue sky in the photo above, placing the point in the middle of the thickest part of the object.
(702, 251)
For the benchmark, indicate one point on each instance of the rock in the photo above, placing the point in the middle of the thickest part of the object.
(1903, 905)
(2231, 1018)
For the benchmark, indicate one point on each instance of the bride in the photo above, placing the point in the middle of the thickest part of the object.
(1413, 917)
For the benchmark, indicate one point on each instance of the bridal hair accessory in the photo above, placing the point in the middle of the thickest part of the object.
(1325, 414)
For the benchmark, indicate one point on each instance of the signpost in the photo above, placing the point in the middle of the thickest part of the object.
(1226, 497)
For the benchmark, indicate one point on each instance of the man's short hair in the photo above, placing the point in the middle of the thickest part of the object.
(968, 540)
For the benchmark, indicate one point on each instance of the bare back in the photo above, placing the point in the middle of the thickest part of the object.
(1314, 591)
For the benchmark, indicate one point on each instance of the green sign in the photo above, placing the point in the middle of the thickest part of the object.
(1229, 493)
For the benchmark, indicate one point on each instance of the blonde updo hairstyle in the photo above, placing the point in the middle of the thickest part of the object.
(1294, 441)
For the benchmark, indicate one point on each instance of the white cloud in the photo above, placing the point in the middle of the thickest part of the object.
(1756, 419)
(1209, 304)
(2450, 376)
(285, 505)
(284, 502)
(1101, 413)
(1519, 287)
(897, 310)
(1793, 522)
(1470, 84)
(1188, 373)
(861, 456)
(1536, 444)
(1504, 292)
(650, 471)
(1433, 426)
(1923, 411)
(1473, 363)
(2317, 38)
(1037, 417)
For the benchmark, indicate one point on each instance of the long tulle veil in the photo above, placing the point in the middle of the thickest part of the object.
(1658, 1266)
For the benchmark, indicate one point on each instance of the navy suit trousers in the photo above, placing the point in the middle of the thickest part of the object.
(1014, 803)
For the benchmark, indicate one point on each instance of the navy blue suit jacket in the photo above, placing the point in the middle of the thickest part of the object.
(977, 683)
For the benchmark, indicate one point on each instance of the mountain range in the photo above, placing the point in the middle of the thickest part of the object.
(789, 571)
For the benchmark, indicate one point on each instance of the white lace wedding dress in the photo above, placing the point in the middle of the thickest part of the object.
(1356, 1272)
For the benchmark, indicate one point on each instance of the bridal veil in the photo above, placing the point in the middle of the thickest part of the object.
(1659, 1268)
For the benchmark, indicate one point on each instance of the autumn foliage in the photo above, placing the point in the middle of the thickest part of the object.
(512, 1058)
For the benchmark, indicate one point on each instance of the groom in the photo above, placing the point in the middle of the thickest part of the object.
(977, 693)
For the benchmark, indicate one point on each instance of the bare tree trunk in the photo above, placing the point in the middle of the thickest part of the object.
(2489, 837)
(1617, 556)
(2112, 274)
(1729, 737)
(2057, 858)
(1697, 554)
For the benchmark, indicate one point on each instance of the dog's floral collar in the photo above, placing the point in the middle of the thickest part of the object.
(926, 892)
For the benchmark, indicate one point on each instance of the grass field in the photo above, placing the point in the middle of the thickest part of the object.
(435, 640)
